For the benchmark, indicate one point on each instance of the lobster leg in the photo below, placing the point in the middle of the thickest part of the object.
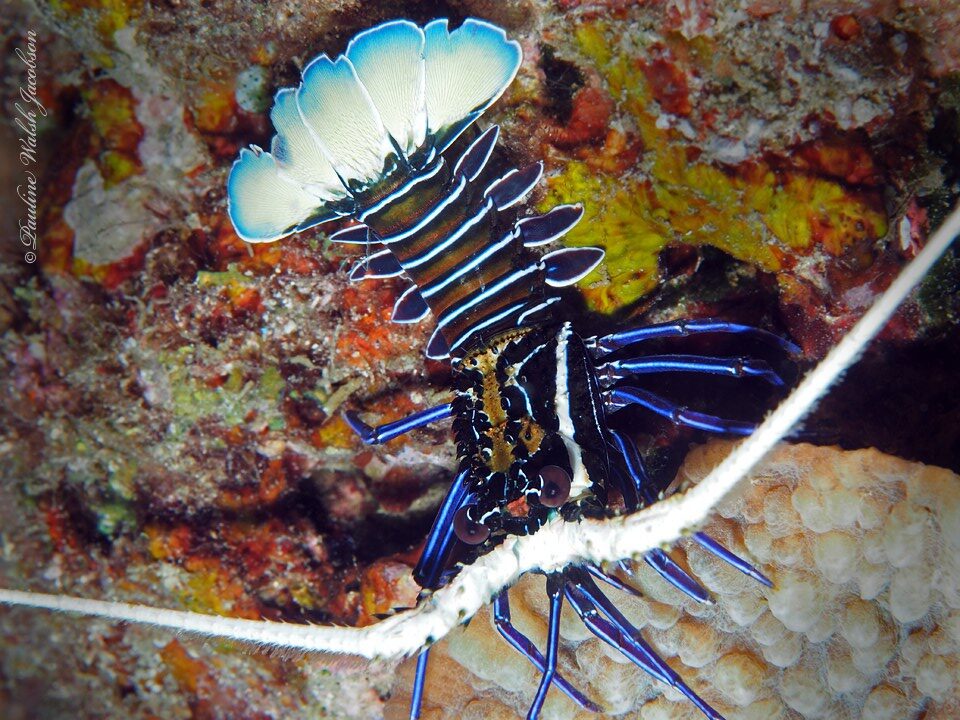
(616, 370)
(590, 600)
(641, 481)
(441, 537)
(381, 433)
(676, 576)
(639, 484)
(613, 580)
(417, 697)
(555, 593)
(631, 498)
(522, 644)
(715, 548)
(620, 397)
(606, 344)
(616, 637)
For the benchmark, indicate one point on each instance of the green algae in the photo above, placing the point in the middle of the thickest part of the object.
(232, 403)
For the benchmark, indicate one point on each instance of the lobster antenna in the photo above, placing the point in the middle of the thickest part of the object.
(557, 544)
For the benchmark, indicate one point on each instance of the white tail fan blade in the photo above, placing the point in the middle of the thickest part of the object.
(262, 205)
(297, 154)
(466, 71)
(340, 115)
(389, 62)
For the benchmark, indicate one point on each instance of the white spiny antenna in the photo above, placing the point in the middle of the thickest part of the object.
(556, 545)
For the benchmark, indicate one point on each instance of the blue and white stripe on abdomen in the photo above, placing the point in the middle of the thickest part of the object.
(365, 135)
(399, 92)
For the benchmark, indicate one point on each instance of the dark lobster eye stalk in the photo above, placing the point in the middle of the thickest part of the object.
(554, 486)
(467, 529)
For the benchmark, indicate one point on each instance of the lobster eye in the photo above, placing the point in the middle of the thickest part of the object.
(554, 486)
(467, 529)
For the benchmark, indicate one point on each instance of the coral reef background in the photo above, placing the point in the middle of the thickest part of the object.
(170, 425)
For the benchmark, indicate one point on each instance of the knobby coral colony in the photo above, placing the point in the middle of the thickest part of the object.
(369, 135)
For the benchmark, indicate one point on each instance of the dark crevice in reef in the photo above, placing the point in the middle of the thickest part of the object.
(563, 79)
(904, 401)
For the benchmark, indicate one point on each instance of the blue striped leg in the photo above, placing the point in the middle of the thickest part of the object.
(676, 575)
(620, 397)
(644, 488)
(382, 433)
(416, 699)
(614, 629)
(613, 580)
(616, 370)
(606, 344)
(640, 655)
(522, 644)
(640, 485)
(715, 548)
(638, 479)
(658, 560)
(441, 538)
(555, 593)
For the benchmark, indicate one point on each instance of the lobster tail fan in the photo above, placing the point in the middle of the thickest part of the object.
(298, 156)
(466, 71)
(343, 130)
(341, 117)
(389, 62)
(264, 206)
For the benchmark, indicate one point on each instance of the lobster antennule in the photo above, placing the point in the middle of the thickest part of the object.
(522, 644)
(436, 549)
(555, 594)
(628, 639)
(419, 678)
